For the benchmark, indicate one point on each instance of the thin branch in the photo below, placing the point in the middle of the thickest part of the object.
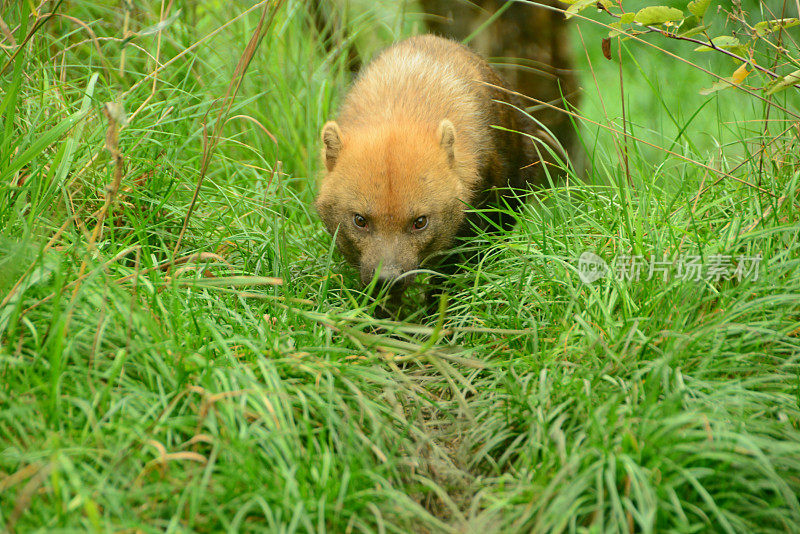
(210, 145)
(631, 136)
(709, 44)
(667, 52)
(40, 22)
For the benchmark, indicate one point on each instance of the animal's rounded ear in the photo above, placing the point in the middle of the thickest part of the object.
(331, 144)
(447, 138)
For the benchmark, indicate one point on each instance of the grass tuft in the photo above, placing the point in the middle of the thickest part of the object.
(181, 348)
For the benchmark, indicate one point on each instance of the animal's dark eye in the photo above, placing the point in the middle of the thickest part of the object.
(420, 223)
(359, 220)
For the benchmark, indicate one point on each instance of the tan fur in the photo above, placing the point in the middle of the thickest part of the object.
(413, 139)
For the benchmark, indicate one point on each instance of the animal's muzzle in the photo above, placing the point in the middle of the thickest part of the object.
(389, 279)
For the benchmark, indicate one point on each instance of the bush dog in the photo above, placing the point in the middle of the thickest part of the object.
(426, 132)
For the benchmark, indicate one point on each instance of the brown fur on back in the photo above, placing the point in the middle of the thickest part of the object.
(531, 46)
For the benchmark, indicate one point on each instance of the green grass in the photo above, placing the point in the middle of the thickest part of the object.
(142, 393)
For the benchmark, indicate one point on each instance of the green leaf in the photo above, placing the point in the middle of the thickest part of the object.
(742, 50)
(719, 85)
(616, 29)
(578, 6)
(657, 15)
(689, 23)
(624, 18)
(723, 41)
(698, 7)
(784, 83)
(769, 26)
(691, 26)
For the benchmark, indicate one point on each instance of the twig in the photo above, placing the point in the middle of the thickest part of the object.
(40, 22)
(653, 145)
(710, 44)
(614, 137)
(624, 122)
(227, 101)
(112, 145)
(4, 29)
(667, 52)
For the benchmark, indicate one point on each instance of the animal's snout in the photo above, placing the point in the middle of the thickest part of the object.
(387, 277)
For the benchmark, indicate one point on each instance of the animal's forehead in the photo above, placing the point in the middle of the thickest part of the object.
(396, 148)
(388, 193)
(391, 174)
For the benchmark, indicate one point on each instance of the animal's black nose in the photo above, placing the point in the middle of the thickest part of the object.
(387, 279)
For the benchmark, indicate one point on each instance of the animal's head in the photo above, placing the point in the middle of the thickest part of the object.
(393, 193)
